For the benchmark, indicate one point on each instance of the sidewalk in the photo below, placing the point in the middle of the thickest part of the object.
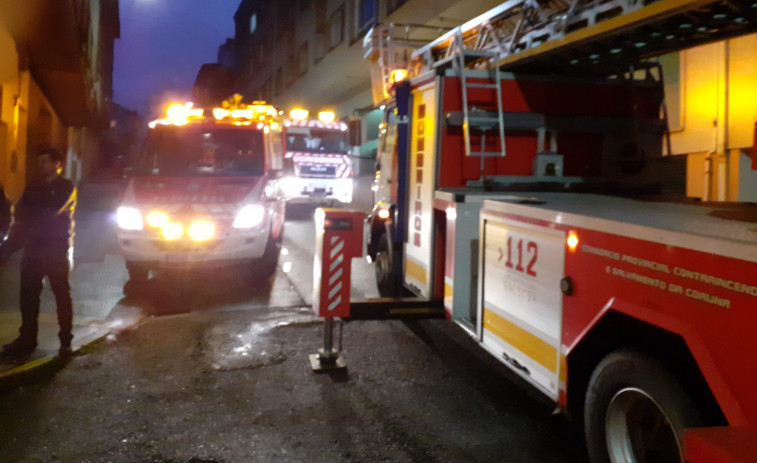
(96, 287)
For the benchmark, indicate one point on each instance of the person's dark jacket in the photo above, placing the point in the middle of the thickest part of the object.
(5, 214)
(44, 220)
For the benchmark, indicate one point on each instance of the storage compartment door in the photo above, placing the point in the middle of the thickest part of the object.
(521, 310)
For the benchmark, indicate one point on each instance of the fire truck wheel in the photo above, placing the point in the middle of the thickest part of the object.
(385, 279)
(635, 411)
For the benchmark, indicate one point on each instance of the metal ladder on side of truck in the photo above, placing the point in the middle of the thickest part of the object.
(472, 117)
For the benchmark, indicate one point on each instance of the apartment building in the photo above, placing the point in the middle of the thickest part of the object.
(711, 95)
(56, 68)
(310, 53)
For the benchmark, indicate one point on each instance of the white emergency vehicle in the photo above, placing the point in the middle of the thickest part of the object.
(204, 192)
(317, 159)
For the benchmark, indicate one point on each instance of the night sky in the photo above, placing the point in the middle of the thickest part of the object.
(162, 46)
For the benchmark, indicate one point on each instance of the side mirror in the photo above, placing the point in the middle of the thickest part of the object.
(356, 130)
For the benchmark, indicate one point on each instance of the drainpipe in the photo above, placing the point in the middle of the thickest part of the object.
(726, 128)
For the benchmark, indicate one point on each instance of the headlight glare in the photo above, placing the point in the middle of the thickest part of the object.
(202, 230)
(289, 186)
(172, 230)
(249, 216)
(129, 218)
(156, 218)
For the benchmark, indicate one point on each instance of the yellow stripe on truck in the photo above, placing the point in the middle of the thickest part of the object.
(415, 270)
(447, 291)
(531, 345)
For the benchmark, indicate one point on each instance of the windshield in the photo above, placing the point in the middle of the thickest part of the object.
(204, 151)
(317, 140)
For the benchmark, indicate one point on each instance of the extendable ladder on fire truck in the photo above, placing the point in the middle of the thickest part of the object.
(472, 117)
(587, 37)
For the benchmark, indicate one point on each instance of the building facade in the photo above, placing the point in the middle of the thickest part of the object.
(56, 71)
(711, 95)
(309, 53)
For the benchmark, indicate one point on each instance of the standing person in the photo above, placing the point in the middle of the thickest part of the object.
(5, 214)
(44, 229)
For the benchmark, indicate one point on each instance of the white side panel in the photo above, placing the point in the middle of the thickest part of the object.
(420, 239)
(522, 303)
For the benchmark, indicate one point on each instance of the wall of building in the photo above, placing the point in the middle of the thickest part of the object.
(712, 97)
(310, 53)
(9, 87)
(31, 83)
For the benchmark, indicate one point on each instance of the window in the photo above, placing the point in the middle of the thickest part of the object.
(290, 70)
(392, 5)
(203, 151)
(267, 93)
(3, 134)
(303, 58)
(253, 23)
(367, 15)
(321, 43)
(279, 81)
(672, 67)
(336, 28)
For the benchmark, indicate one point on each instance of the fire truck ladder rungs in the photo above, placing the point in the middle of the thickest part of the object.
(570, 35)
(474, 118)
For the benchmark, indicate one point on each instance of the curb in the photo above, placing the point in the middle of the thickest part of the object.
(43, 368)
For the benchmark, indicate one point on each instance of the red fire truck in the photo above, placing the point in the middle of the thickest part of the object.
(540, 212)
(204, 192)
(317, 161)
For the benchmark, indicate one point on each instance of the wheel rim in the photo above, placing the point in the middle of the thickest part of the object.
(639, 431)
(383, 267)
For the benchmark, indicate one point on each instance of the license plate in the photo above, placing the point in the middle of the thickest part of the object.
(319, 170)
(177, 257)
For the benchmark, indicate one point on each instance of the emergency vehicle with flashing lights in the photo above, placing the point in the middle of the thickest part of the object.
(204, 192)
(537, 211)
(317, 159)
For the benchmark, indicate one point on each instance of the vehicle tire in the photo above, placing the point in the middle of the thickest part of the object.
(166, 296)
(265, 267)
(137, 272)
(135, 286)
(635, 411)
(385, 278)
(132, 289)
(280, 238)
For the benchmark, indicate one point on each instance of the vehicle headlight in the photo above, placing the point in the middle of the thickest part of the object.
(289, 186)
(129, 218)
(156, 219)
(202, 230)
(172, 230)
(344, 187)
(249, 216)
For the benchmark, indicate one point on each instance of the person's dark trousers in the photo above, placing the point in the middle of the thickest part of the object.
(32, 272)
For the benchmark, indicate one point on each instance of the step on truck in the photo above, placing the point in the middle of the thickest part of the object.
(204, 193)
(542, 212)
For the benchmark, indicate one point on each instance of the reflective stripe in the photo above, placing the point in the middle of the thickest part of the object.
(415, 270)
(526, 342)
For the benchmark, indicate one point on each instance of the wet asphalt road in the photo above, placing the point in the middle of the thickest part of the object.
(224, 377)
